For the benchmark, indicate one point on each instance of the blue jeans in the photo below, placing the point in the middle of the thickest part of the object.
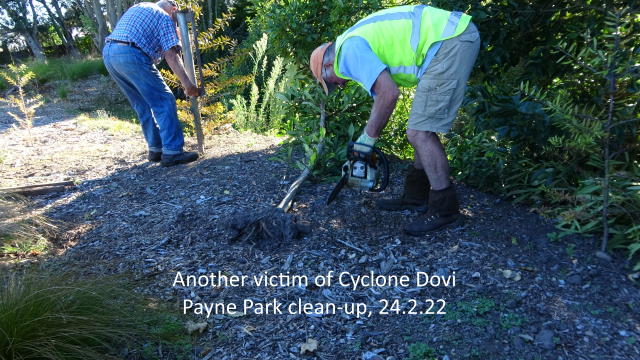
(149, 95)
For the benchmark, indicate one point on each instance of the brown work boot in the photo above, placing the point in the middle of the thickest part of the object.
(443, 210)
(415, 194)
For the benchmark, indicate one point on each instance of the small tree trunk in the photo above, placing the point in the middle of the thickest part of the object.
(112, 14)
(32, 38)
(34, 45)
(5, 49)
(68, 40)
(121, 6)
(611, 79)
(58, 24)
(101, 22)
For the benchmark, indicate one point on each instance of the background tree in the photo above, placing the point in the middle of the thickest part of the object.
(19, 16)
(58, 21)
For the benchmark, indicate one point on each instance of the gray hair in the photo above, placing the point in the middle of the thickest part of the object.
(167, 4)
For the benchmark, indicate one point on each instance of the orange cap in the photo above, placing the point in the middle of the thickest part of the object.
(315, 63)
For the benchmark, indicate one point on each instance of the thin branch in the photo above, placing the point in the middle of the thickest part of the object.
(623, 150)
(621, 123)
(577, 60)
(285, 204)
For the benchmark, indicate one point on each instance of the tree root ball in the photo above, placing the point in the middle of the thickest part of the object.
(269, 229)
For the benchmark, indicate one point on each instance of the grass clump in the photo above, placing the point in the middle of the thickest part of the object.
(67, 69)
(43, 317)
(61, 69)
(102, 120)
(22, 232)
(50, 316)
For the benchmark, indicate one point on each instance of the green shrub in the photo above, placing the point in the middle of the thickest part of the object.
(568, 147)
(570, 133)
(296, 27)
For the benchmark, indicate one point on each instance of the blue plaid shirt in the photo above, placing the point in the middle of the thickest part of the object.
(149, 27)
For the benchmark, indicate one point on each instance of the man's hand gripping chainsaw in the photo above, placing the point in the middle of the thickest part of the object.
(366, 169)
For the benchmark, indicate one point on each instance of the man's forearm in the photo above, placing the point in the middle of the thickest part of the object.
(381, 111)
(387, 94)
(175, 63)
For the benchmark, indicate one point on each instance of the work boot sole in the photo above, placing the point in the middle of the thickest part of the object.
(421, 227)
(183, 158)
(390, 206)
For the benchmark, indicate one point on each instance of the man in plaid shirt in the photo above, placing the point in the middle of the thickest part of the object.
(145, 34)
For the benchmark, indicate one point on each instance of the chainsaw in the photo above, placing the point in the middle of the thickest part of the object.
(363, 171)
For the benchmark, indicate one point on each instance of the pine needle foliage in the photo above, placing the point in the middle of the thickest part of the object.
(19, 76)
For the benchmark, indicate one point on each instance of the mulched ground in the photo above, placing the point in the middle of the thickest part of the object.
(518, 295)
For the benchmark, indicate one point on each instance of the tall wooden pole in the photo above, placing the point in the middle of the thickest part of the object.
(185, 16)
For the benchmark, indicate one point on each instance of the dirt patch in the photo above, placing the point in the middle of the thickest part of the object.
(518, 295)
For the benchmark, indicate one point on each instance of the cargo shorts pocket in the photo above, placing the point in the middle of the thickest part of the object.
(438, 98)
(469, 37)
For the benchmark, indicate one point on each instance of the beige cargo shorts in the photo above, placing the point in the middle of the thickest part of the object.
(441, 89)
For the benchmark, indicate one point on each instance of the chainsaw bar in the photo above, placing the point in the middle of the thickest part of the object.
(339, 186)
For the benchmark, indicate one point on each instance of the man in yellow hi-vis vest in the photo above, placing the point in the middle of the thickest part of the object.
(407, 46)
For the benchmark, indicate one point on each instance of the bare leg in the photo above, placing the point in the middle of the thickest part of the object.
(430, 153)
(417, 161)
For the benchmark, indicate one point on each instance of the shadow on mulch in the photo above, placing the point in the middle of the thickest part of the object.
(518, 295)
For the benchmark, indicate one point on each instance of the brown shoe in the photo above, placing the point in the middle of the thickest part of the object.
(415, 194)
(443, 210)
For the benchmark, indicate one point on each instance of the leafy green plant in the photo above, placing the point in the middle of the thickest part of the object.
(421, 351)
(606, 129)
(473, 312)
(510, 320)
(564, 141)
